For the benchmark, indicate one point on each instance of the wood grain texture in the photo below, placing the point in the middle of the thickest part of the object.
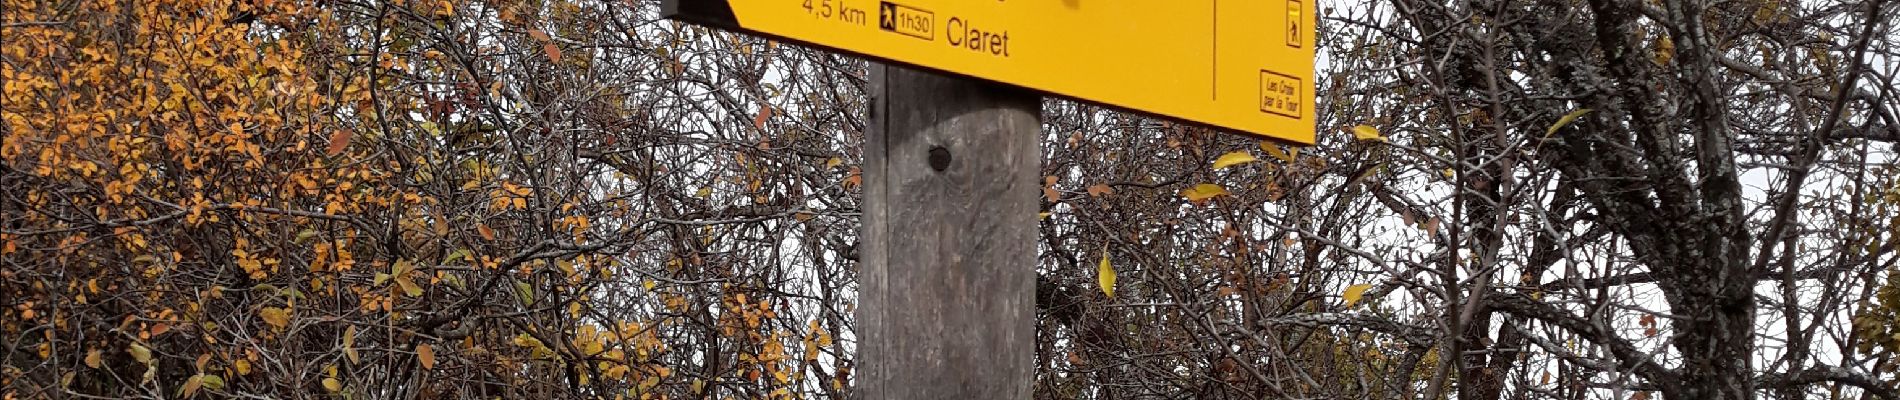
(946, 308)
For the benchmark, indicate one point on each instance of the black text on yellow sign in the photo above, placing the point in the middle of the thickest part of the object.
(1240, 65)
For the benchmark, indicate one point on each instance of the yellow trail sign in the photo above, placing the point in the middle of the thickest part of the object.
(1244, 65)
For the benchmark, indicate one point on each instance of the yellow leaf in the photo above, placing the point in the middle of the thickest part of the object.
(1105, 275)
(408, 286)
(1565, 121)
(1354, 292)
(1665, 50)
(93, 359)
(1274, 150)
(1042, 215)
(426, 354)
(332, 385)
(1367, 132)
(276, 317)
(833, 162)
(487, 234)
(1203, 192)
(243, 366)
(1232, 159)
(349, 344)
(140, 353)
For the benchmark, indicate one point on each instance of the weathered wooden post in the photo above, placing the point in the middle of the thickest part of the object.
(948, 248)
(946, 304)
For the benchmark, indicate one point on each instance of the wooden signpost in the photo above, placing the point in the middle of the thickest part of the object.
(946, 302)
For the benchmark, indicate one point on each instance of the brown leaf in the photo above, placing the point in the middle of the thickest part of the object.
(426, 354)
(441, 225)
(1100, 189)
(554, 52)
(338, 140)
(487, 233)
(538, 34)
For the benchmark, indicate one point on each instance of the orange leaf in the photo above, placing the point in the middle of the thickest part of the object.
(554, 52)
(426, 354)
(538, 34)
(1100, 189)
(338, 141)
(487, 234)
(855, 178)
(765, 113)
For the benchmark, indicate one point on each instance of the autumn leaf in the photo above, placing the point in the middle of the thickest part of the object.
(338, 141)
(1367, 132)
(408, 286)
(1203, 192)
(1100, 189)
(191, 386)
(1234, 158)
(487, 233)
(1665, 50)
(277, 317)
(539, 35)
(1274, 150)
(212, 382)
(765, 114)
(553, 52)
(524, 292)
(349, 344)
(332, 385)
(93, 359)
(426, 354)
(1105, 276)
(1049, 189)
(140, 353)
(1565, 121)
(1354, 292)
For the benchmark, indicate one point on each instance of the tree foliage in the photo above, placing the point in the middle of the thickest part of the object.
(1604, 199)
